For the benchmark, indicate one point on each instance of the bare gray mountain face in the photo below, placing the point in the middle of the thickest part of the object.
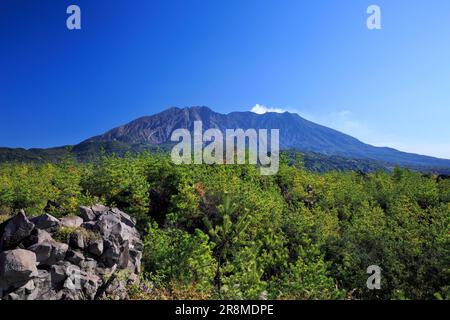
(91, 256)
(295, 133)
(319, 144)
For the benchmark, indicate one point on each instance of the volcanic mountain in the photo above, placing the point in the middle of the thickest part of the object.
(296, 133)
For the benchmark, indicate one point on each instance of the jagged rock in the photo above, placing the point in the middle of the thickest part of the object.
(134, 263)
(96, 248)
(111, 254)
(17, 267)
(27, 290)
(77, 240)
(125, 218)
(75, 257)
(86, 214)
(72, 222)
(88, 265)
(91, 226)
(43, 251)
(124, 257)
(111, 223)
(49, 252)
(58, 274)
(14, 231)
(103, 259)
(117, 289)
(108, 223)
(37, 236)
(46, 222)
(90, 285)
(43, 284)
(99, 209)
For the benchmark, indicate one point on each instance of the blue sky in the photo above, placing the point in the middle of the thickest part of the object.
(389, 87)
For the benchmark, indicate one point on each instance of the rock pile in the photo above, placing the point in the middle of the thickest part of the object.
(90, 256)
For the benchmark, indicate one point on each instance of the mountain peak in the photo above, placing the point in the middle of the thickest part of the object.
(295, 133)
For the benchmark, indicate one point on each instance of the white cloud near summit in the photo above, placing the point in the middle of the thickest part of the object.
(260, 109)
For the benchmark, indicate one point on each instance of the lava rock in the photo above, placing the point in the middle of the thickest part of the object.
(14, 231)
(51, 270)
(99, 209)
(46, 222)
(96, 248)
(125, 218)
(17, 267)
(86, 214)
(49, 252)
(72, 222)
(75, 257)
(77, 240)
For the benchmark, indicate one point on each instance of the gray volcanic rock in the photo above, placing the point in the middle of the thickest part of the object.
(49, 252)
(72, 222)
(96, 248)
(45, 221)
(86, 214)
(87, 267)
(17, 268)
(99, 209)
(14, 230)
(77, 240)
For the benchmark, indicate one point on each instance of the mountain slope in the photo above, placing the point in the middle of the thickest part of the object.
(295, 133)
(322, 147)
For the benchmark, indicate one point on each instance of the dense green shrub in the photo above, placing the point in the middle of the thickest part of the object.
(227, 232)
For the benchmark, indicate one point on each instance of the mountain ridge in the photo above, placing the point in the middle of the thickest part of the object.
(296, 133)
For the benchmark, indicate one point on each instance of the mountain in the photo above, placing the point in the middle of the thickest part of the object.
(296, 133)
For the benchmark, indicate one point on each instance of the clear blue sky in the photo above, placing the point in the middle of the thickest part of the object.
(134, 58)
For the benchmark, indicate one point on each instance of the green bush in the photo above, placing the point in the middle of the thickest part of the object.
(227, 232)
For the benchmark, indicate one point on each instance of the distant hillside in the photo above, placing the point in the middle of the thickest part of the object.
(295, 133)
(316, 142)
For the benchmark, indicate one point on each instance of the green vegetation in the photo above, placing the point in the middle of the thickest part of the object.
(63, 234)
(226, 232)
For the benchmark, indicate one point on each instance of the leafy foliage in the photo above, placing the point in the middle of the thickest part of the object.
(226, 232)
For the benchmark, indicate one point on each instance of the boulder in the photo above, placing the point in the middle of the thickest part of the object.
(14, 231)
(108, 223)
(125, 218)
(77, 240)
(17, 267)
(89, 265)
(49, 252)
(111, 254)
(72, 222)
(37, 236)
(96, 248)
(111, 224)
(90, 225)
(86, 214)
(26, 292)
(90, 284)
(75, 257)
(103, 258)
(46, 222)
(99, 209)
(58, 274)
(134, 262)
